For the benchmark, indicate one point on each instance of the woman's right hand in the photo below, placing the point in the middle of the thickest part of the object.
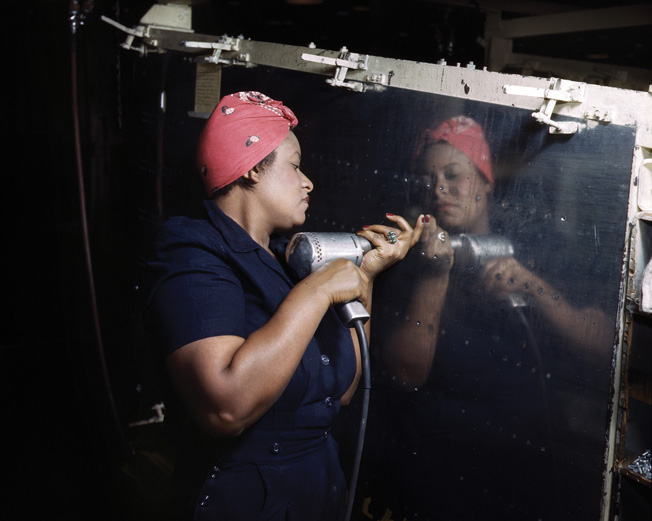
(340, 281)
(435, 249)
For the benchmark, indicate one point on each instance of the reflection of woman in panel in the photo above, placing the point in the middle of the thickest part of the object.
(456, 179)
(260, 365)
(472, 433)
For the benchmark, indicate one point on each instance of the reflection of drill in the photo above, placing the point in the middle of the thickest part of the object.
(473, 251)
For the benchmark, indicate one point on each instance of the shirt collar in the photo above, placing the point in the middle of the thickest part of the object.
(239, 240)
(233, 233)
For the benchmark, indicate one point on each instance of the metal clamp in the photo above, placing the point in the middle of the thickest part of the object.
(560, 90)
(226, 43)
(564, 127)
(139, 31)
(346, 60)
(165, 17)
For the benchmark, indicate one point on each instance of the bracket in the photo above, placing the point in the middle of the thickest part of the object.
(171, 17)
(159, 408)
(226, 43)
(140, 31)
(560, 90)
(596, 114)
(167, 17)
(346, 60)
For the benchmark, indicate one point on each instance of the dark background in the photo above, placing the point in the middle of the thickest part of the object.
(67, 392)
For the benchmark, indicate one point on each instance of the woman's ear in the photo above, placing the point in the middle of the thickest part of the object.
(489, 188)
(253, 175)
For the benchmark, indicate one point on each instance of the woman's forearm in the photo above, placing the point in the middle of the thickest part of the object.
(410, 347)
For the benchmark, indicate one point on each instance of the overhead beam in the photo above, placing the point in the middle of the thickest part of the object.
(575, 21)
(531, 7)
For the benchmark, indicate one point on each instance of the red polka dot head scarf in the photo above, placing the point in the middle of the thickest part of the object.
(244, 128)
(466, 135)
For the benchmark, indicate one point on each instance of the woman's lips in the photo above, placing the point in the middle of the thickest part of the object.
(442, 207)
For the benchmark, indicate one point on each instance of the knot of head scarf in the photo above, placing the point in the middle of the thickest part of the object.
(244, 128)
(467, 136)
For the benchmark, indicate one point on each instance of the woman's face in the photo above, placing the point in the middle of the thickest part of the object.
(455, 192)
(284, 188)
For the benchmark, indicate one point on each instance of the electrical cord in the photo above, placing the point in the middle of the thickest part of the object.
(85, 234)
(547, 411)
(542, 377)
(366, 384)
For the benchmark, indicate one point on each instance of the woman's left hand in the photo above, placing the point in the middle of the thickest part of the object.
(391, 244)
(503, 276)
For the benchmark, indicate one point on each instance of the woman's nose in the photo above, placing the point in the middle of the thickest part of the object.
(306, 182)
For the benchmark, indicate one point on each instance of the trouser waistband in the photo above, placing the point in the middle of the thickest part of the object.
(274, 446)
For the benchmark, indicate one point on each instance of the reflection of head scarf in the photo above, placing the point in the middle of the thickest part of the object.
(244, 128)
(467, 136)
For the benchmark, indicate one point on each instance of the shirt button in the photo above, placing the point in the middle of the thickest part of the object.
(275, 448)
(325, 360)
(328, 401)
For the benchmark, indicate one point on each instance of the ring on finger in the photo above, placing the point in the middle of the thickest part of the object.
(391, 237)
(442, 236)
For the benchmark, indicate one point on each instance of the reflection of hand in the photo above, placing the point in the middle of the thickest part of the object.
(503, 276)
(435, 249)
(390, 244)
(586, 328)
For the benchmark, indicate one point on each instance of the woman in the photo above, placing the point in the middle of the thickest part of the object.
(456, 177)
(260, 365)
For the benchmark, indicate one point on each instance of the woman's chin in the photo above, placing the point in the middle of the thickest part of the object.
(290, 226)
(450, 225)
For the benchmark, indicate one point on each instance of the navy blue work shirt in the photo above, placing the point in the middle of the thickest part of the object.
(210, 278)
